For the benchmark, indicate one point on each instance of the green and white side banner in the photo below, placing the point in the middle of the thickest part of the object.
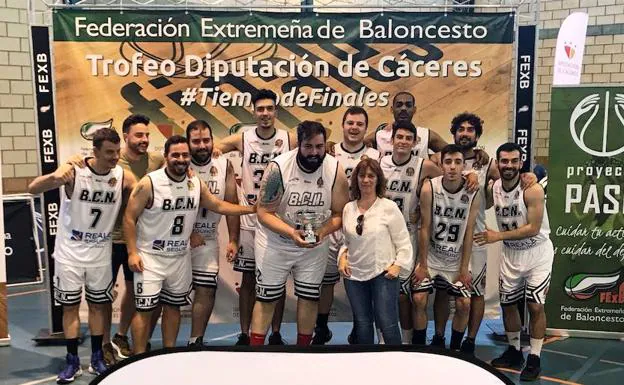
(585, 207)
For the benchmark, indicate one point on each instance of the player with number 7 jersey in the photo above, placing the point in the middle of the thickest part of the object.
(91, 200)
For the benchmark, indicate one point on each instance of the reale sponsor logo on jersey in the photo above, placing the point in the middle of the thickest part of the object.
(208, 230)
(90, 238)
(169, 246)
(521, 244)
(76, 235)
(448, 251)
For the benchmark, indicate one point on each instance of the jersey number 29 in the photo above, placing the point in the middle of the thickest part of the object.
(442, 235)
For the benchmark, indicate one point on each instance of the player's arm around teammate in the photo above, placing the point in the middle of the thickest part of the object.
(534, 199)
(212, 203)
(62, 176)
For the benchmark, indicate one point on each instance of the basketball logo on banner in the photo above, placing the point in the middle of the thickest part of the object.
(600, 128)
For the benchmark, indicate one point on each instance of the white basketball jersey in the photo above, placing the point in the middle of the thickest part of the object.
(348, 160)
(469, 165)
(87, 218)
(165, 227)
(303, 192)
(383, 139)
(449, 217)
(511, 213)
(257, 153)
(213, 173)
(402, 184)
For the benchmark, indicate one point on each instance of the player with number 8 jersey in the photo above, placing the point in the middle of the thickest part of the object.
(158, 223)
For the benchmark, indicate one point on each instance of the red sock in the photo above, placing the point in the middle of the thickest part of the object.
(256, 339)
(304, 339)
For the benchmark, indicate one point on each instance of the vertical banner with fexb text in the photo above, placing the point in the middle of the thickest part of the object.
(176, 67)
(585, 207)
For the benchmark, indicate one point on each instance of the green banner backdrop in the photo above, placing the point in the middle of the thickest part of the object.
(585, 207)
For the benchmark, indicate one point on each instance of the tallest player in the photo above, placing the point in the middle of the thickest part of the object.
(403, 111)
(257, 147)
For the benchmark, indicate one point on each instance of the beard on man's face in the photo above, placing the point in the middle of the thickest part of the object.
(201, 156)
(311, 162)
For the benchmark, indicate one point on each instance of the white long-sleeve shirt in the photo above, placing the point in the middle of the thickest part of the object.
(384, 240)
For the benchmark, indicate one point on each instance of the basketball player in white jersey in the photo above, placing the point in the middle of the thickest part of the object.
(404, 173)
(466, 129)
(158, 222)
(301, 181)
(91, 199)
(257, 147)
(403, 110)
(218, 174)
(348, 154)
(448, 214)
(134, 158)
(527, 257)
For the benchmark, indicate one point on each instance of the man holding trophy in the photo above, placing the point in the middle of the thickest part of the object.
(301, 199)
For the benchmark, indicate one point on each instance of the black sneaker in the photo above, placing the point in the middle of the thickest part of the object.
(532, 369)
(438, 341)
(243, 340)
(468, 346)
(121, 344)
(276, 339)
(198, 344)
(321, 336)
(511, 358)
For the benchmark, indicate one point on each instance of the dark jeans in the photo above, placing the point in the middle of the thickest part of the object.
(375, 300)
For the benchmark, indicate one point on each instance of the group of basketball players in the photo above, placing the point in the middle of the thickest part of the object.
(158, 218)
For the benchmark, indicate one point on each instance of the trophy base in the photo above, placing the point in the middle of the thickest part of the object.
(311, 238)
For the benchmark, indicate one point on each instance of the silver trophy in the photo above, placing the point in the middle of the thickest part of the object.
(309, 222)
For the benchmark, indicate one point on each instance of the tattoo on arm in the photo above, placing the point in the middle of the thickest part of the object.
(271, 187)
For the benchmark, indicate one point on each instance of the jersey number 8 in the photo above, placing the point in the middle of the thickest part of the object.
(178, 225)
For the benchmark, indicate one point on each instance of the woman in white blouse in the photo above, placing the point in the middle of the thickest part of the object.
(377, 246)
